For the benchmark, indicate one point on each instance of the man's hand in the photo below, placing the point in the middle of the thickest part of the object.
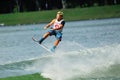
(49, 24)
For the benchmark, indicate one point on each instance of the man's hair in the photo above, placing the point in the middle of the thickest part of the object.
(60, 13)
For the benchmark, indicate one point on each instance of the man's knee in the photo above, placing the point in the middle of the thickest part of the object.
(46, 34)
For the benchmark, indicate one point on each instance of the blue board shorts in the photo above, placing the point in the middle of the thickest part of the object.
(56, 33)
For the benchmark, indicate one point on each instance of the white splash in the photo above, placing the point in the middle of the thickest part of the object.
(83, 63)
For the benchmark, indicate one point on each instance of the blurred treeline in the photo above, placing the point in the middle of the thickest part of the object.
(12, 6)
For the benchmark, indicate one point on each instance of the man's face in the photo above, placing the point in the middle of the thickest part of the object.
(58, 17)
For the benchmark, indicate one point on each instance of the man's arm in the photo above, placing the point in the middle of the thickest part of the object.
(49, 24)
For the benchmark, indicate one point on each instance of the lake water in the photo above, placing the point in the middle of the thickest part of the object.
(89, 50)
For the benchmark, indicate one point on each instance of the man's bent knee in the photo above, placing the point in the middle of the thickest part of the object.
(46, 35)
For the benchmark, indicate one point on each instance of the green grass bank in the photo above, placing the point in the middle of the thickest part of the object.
(69, 15)
(26, 77)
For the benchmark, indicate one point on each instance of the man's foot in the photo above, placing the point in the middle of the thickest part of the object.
(53, 49)
(41, 40)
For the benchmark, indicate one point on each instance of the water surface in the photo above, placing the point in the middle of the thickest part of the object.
(89, 49)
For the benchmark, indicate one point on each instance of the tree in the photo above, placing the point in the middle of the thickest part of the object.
(6, 6)
(9, 6)
(18, 6)
(64, 4)
(37, 5)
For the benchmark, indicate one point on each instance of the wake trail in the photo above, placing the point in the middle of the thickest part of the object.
(91, 62)
(76, 63)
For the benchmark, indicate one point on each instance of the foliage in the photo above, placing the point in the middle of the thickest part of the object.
(9, 6)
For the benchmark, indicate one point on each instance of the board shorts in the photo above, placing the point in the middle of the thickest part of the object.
(56, 33)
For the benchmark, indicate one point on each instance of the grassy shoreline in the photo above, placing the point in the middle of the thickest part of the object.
(69, 15)
(35, 76)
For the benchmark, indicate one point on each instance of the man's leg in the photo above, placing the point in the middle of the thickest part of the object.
(56, 42)
(44, 37)
(55, 45)
(58, 39)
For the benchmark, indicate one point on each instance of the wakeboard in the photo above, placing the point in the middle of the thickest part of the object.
(43, 46)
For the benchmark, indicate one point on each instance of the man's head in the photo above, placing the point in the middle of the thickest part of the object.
(59, 15)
